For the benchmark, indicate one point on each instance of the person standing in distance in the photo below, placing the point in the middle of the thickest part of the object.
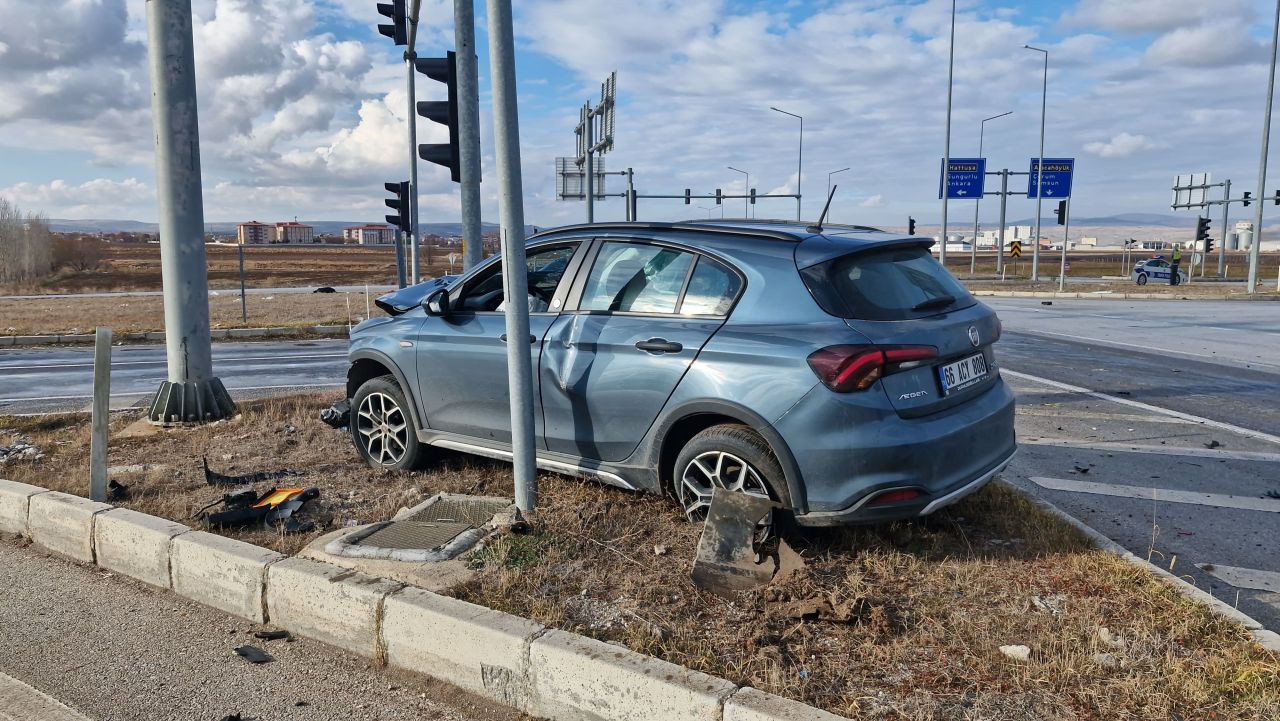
(1177, 261)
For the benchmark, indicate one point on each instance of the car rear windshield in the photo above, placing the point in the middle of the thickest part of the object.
(890, 284)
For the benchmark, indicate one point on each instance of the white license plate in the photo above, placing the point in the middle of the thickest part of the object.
(963, 373)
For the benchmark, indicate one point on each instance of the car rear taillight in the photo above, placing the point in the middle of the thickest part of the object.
(898, 496)
(846, 368)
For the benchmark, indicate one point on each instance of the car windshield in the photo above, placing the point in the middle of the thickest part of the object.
(891, 284)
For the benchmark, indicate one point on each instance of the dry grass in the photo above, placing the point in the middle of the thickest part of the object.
(146, 313)
(918, 610)
(1191, 290)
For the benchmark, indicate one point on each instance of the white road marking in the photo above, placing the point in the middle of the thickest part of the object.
(140, 394)
(1146, 407)
(20, 702)
(1156, 450)
(1196, 498)
(1244, 577)
(162, 361)
(1060, 412)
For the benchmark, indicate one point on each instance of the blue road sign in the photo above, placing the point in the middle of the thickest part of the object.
(966, 179)
(1057, 178)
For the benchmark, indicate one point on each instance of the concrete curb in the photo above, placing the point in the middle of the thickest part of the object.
(1267, 639)
(1115, 296)
(513, 660)
(329, 331)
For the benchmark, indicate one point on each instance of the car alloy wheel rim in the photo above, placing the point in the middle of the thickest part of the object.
(383, 429)
(716, 469)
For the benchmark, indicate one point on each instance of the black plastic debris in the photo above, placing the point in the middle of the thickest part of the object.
(324, 289)
(1046, 302)
(1273, 494)
(117, 491)
(218, 479)
(248, 508)
(1212, 444)
(271, 635)
(338, 414)
(234, 717)
(253, 654)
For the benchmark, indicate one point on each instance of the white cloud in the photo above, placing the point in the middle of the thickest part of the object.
(1151, 16)
(1219, 43)
(874, 201)
(1120, 146)
(96, 196)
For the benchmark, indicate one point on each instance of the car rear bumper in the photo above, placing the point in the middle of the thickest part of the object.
(849, 452)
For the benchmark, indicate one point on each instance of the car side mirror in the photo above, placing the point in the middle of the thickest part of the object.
(437, 303)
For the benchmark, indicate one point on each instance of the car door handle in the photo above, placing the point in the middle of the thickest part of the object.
(659, 345)
(503, 338)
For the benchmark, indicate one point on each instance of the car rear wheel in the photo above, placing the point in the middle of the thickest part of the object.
(727, 456)
(382, 427)
(1142, 279)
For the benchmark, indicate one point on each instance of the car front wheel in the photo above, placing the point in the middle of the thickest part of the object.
(382, 427)
(728, 456)
(1142, 279)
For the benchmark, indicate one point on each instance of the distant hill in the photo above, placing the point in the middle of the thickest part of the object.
(1123, 219)
(323, 227)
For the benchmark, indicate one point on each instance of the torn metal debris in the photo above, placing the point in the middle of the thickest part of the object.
(218, 479)
(727, 559)
(253, 654)
(247, 508)
(337, 415)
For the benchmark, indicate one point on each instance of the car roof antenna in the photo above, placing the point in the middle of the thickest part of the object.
(817, 227)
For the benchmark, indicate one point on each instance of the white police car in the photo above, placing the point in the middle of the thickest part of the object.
(1157, 269)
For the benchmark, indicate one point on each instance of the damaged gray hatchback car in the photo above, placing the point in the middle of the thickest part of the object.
(843, 373)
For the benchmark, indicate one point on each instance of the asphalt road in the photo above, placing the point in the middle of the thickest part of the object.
(114, 649)
(215, 292)
(1119, 403)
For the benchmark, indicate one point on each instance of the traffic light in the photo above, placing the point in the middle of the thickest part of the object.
(400, 204)
(445, 112)
(687, 196)
(1277, 198)
(395, 30)
(911, 225)
(1248, 197)
(753, 196)
(1061, 212)
(1202, 228)
(1208, 246)
(719, 196)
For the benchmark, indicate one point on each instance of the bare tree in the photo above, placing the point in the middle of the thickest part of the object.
(77, 252)
(25, 245)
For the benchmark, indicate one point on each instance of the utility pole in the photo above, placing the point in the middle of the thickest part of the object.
(192, 393)
(1262, 161)
(464, 33)
(502, 61)
(946, 153)
(1044, 104)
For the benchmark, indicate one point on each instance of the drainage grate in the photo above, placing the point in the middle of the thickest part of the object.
(414, 535)
(470, 511)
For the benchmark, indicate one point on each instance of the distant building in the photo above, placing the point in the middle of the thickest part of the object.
(369, 234)
(295, 232)
(1089, 241)
(253, 233)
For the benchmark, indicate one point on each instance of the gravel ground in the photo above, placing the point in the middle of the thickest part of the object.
(116, 649)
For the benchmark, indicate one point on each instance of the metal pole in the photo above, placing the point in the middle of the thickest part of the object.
(799, 158)
(946, 153)
(828, 195)
(746, 190)
(410, 72)
(244, 307)
(511, 197)
(631, 195)
(1262, 160)
(1044, 102)
(590, 189)
(1004, 198)
(1066, 229)
(191, 393)
(973, 253)
(101, 414)
(1222, 247)
(400, 259)
(469, 173)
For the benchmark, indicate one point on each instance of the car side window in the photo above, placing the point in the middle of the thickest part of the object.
(636, 278)
(546, 266)
(712, 289)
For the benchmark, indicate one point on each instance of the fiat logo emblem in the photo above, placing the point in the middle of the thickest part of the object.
(973, 336)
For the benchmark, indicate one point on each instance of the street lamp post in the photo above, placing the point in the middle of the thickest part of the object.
(946, 153)
(828, 195)
(1044, 98)
(1262, 164)
(746, 189)
(799, 158)
(973, 249)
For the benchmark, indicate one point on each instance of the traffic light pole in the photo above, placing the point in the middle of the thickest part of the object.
(1004, 201)
(192, 393)
(409, 57)
(502, 63)
(590, 177)
(1222, 247)
(1066, 230)
(464, 32)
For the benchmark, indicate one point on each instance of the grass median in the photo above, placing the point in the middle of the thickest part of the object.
(897, 621)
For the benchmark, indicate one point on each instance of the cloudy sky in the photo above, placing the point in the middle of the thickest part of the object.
(302, 102)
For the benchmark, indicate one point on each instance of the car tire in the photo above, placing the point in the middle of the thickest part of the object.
(721, 452)
(1142, 279)
(382, 426)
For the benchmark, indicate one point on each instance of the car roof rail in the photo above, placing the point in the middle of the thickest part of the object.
(785, 230)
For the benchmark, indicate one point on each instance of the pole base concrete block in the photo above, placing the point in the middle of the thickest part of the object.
(136, 545)
(470, 646)
(14, 500)
(581, 679)
(221, 573)
(750, 704)
(191, 402)
(331, 604)
(63, 523)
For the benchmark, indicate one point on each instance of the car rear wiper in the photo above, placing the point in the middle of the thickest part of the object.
(935, 302)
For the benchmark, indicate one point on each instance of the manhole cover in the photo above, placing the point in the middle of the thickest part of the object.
(415, 534)
(469, 511)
